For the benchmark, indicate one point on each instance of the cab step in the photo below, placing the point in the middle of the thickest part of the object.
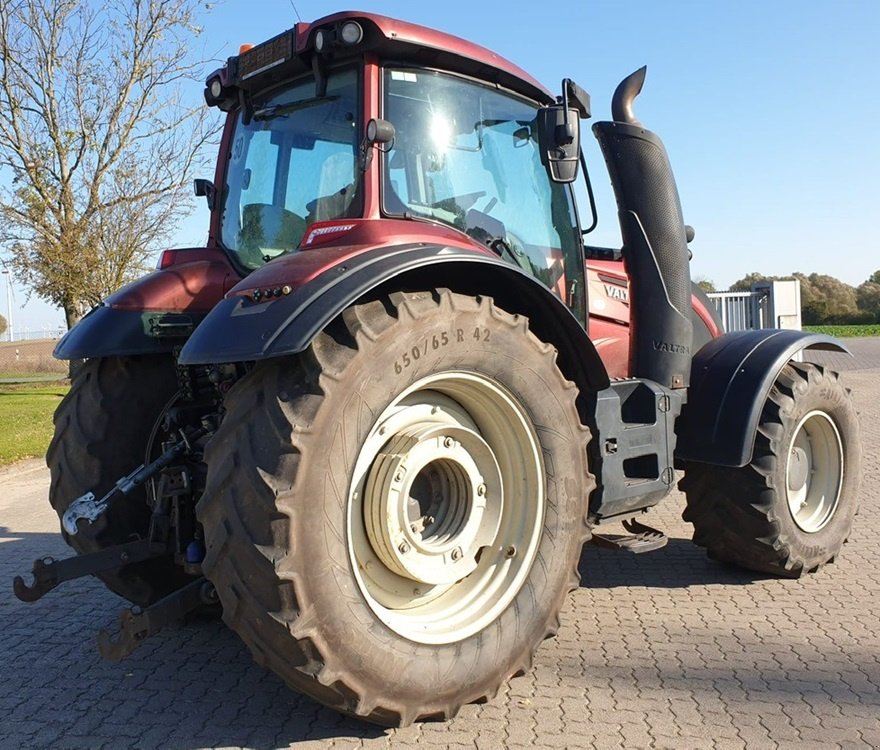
(639, 539)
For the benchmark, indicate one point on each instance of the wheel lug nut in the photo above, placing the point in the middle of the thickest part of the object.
(511, 551)
(481, 490)
(403, 548)
(448, 442)
(414, 529)
(456, 554)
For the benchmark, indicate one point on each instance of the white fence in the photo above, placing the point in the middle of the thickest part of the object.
(29, 334)
(774, 304)
(741, 311)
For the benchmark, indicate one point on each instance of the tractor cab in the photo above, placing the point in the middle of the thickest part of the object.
(299, 165)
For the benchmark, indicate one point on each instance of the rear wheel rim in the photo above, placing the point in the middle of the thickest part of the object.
(446, 507)
(814, 471)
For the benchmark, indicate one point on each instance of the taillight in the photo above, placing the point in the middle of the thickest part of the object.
(166, 259)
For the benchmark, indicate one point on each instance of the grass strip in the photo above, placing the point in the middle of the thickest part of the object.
(26, 419)
(847, 332)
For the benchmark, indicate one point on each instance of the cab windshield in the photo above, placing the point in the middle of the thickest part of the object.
(293, 164)
(467, 155)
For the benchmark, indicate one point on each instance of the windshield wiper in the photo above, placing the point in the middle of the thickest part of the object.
(501, 246)
(276, 110)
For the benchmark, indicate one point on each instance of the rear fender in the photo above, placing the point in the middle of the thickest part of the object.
(242, 329)
(730, 380)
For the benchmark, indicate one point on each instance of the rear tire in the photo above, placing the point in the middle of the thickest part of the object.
(102, 428)
(357, 533)
(790, 510)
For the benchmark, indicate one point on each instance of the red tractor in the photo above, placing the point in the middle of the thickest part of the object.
(376, 417)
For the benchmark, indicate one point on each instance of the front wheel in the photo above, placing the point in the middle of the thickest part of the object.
(789, 510)
(394, 517)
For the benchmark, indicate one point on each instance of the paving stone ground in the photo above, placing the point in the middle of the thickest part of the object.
(661, 650)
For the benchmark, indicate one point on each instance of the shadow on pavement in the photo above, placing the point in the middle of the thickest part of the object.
(677, 565)
(190, 686)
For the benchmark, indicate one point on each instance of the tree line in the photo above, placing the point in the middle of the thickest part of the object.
(824, 299)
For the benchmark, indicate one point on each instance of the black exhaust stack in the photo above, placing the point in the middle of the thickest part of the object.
(654, 242)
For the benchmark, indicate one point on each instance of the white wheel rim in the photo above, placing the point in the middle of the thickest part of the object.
(446, 507)
(814, 471)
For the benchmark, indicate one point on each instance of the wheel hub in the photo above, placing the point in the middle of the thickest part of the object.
(433, 501)
(814, 471)
(446, 507)
(798, 470)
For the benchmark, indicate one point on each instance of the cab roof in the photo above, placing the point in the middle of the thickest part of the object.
(389, 38)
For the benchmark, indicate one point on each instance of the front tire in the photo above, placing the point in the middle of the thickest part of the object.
(790, 510)
(394, 518)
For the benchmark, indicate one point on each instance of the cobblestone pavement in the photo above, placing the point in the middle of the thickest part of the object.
(865, 355)
(666, 649)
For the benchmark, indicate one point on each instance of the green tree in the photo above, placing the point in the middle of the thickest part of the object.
(745, 283)
(95, 140)
(868, 298)
(874, 278)
(825, 299)
(707, 285)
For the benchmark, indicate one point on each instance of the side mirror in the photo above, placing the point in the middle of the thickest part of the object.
(559, 141)
(202, 187)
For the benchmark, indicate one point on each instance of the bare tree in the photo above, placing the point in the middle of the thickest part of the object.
(96, 140)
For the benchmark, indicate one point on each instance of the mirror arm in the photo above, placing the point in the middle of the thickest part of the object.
(565, 132)
(590, 195)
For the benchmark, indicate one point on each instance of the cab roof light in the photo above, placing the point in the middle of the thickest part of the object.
(348, 34)
(351, 32)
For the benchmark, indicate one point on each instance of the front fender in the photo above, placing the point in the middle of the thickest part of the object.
(730, 380)
(109, 331)
(155, 313)
(241, 329)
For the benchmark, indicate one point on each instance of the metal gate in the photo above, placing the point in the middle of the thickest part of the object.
(770, 304)
(742, 311)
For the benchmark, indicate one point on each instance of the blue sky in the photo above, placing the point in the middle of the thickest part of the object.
(768, 110)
